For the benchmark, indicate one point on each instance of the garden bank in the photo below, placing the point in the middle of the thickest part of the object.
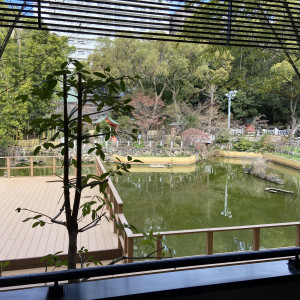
(273, 158)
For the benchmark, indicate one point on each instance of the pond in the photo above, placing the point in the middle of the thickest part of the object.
(214, 193)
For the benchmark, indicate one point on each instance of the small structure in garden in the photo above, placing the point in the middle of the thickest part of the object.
(196, 138)
(112, 124)
(175, 127)
(259, 169)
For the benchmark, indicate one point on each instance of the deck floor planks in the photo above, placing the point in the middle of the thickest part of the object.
(19, 240)
(9, 216)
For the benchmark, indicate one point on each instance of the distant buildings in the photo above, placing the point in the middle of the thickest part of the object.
(99, 17)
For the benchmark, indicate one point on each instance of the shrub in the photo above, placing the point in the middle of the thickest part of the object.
(223, 136)
(137, 145)
(244, 145)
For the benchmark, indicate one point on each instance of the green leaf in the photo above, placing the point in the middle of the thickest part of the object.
(129, 158)
(63, 65)
(26, 220)
(37, 150)
(74, 162)
(52, 84)
(37, 217)
(87, 119)
(122, 86)
(98, 74)
(137, 160)
(35, 224)
(91, 150)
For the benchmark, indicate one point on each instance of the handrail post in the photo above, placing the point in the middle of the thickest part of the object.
(111, 201)
(31, 166)
(125, 244)
(119, 234)
(53, 165)
(256, 238)
(209, 242)
(298, 235)
(159, 247)
(130, 242)
(115, 213)
(8, 167)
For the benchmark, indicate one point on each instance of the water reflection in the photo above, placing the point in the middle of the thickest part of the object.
(215, 194)
(226, 212)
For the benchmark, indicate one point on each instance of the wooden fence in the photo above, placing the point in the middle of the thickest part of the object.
(32, 163)
(126, 237)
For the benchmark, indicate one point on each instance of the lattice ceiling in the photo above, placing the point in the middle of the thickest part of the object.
(273, 24)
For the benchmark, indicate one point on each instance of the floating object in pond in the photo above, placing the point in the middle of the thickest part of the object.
(39, 162)
(271, 178)
(275, 190)
(157, 166)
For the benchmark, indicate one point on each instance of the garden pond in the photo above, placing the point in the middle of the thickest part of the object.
(214, 193)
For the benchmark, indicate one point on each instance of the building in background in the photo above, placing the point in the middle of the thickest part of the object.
(105, 17)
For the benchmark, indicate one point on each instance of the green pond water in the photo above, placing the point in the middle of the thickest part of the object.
(212, 194)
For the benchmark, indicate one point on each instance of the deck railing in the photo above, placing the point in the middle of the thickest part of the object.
(126, 237)
(32, 163)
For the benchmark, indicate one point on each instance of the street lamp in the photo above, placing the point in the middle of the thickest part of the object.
(230, 96)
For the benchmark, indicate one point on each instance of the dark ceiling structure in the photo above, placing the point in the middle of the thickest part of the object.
(270, 24)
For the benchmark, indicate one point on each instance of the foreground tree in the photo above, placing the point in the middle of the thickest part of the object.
(102, 92)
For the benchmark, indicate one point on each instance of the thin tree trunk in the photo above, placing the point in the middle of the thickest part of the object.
(72, 250)
(73, 225)
(211, 104)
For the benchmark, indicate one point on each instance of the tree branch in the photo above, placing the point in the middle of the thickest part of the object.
(94, 113)
(93, 184)
(92, 224)
(138, 257)
(53, 220)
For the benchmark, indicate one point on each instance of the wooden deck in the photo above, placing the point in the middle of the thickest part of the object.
(23, 245)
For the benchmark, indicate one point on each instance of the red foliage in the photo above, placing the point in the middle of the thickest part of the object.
(195, 137)
(144, 113)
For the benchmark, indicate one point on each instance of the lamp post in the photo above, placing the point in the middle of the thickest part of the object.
(230, 96)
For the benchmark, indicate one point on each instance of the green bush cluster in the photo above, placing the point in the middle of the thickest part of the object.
(263, 145)
(223, 136)
(139, 146)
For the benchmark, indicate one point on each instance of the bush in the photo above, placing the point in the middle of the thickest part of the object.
(223, 136)
(244, 145)
(266, 144)
(138, 146)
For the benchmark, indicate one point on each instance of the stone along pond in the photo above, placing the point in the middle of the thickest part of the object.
(212, 194)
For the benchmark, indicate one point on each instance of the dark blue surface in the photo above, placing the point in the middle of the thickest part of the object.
(268, 273)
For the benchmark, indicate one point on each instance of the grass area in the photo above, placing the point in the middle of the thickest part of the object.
(294, 157)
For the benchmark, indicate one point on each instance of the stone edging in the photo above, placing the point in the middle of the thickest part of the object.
(159, 160)
(274, 158)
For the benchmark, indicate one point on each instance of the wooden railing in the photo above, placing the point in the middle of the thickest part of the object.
(126, 237)
(116, 209)
(32, 163)
(209, 232)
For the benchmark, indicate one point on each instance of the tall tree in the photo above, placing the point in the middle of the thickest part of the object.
(28, 58)
(143, 113)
